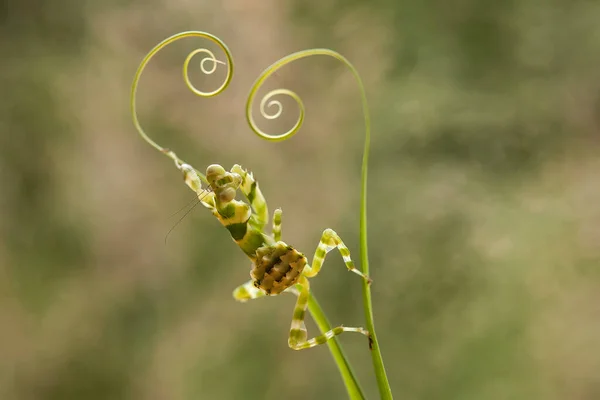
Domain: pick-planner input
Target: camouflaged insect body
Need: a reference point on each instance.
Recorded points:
(277, 267)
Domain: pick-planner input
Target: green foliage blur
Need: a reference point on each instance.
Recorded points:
(484, 207)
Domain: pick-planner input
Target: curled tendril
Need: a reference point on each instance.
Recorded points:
(210, 57)
(268, 102)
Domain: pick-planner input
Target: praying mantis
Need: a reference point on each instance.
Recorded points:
(276, 267)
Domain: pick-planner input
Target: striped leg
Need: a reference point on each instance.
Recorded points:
(191, 178)
(329, 241)
(298, 339)
(247, 291)
(250, 189)
(277, 225)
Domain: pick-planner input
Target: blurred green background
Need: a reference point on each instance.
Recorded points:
(484, 199)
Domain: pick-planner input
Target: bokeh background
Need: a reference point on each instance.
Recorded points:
(484, 199)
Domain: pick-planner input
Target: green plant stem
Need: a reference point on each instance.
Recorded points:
(382, 380)
(352, 386)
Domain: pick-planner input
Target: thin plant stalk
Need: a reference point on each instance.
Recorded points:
(266, 102)
(353, 387)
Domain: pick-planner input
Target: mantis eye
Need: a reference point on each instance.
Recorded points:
(227, 194)
(214, 171)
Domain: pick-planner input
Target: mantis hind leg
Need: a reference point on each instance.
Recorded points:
(298, 339)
